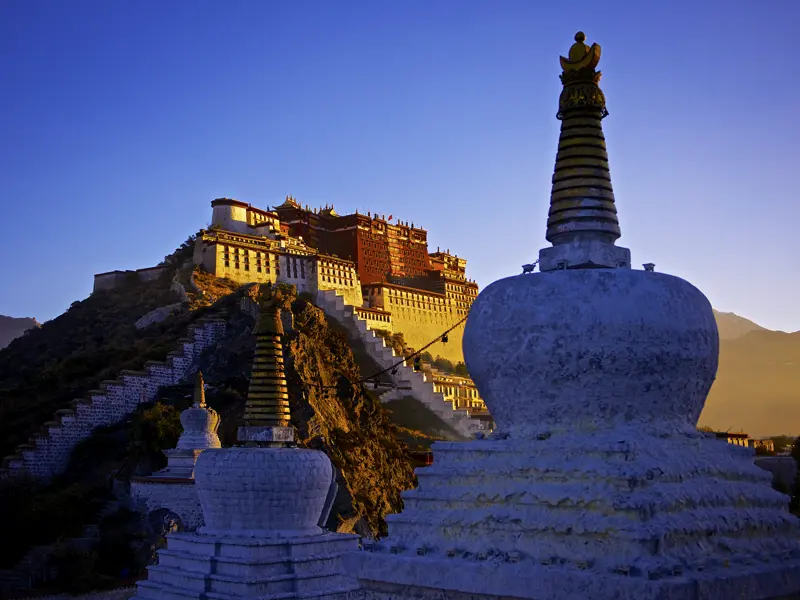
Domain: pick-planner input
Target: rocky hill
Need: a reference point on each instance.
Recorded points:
(13, 327)
(758, 382)
(97, 337)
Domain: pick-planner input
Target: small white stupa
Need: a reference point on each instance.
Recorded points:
(173, 488)
(200, 424)
(264, 504)
(596, 484)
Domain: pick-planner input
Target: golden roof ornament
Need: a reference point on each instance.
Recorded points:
(199, 391)
(580, 79)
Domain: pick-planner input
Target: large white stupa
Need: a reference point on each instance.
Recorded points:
(596, 483)
(264, 504)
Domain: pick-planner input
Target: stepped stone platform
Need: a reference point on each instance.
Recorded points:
(596, 484)
(200, 567)
(264, 503)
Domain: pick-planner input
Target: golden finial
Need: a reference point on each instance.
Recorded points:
(199, 391)
(581, 56)
(579, 49)
(580, 79)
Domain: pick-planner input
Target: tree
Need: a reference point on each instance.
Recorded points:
(444, 365)
(155, 429)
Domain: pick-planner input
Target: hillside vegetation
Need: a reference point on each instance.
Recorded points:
(330, 410)
(93, 340)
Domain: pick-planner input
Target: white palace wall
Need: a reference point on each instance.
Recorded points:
(249, 259)
(421, 316)
(49, 450)
(178, 496)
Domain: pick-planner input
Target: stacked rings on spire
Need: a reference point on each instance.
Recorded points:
(582, 199)
(268, 397)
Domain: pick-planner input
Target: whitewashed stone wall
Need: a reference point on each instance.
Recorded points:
(375, 319)
(405, 377)
(179, 497)
(47, 452)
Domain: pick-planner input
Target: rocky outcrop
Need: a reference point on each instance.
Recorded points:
(159, 314)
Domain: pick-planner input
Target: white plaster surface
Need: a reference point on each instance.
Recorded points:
(178, 497)
(173, 487)
(262, 491)
(402, 578)
(592, 349)
(261, 538)
(200, 425)
(413, 383)
(582, 253)
(596, 483)
(205, 567)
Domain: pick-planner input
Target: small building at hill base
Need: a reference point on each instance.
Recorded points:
(173, 488)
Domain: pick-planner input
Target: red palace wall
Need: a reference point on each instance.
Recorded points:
(377, 247)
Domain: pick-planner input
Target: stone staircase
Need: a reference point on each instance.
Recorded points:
(195, 567)
(47, 452)
(406, 381)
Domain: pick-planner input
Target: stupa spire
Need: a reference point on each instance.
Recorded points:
(583, 216)
(199, 391)
(267, 405)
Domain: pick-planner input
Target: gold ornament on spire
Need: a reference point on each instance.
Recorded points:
(580, 79)
(199, 391)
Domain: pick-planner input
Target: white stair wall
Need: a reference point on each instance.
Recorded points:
(410, 382)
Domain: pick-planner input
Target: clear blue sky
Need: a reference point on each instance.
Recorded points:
(121, 120)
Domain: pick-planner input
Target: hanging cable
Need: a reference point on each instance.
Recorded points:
(395, 366)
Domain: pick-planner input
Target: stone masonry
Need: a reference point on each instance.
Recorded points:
(173, 487)
(407, 381)
(596, 483)
(48, 451)
(263, 503)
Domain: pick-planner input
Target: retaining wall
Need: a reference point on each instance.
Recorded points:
(47, 452)
(406, 379)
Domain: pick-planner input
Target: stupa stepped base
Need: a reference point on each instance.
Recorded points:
(408, 578)
(205, 567)
(660, 516)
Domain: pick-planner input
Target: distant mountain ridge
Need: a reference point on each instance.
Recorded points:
(13, 327)
(758, 382)
(757, 388)
(732, 326)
